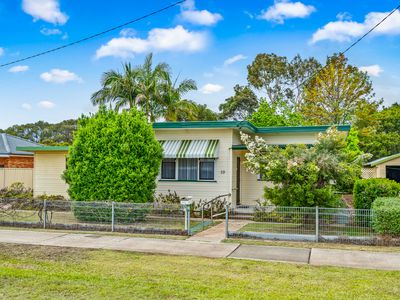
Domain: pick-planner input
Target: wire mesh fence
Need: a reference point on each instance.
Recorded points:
(300, 223)
(95, 216)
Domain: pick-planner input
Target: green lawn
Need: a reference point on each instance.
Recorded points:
(33, 272)
(293, 228)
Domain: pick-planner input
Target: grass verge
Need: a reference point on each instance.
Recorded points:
(33, 272)
(312, 245)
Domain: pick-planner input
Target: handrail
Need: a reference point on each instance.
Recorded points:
(212, 200)
(211, 207)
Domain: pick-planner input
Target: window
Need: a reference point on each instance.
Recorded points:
(190, 169)
(168, 168)
(187, 169)
(206, 167)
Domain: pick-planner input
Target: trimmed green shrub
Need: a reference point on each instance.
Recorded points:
(115, 157)
(386, 216)
(367, 190)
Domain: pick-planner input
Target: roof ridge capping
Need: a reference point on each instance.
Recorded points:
(246, 125)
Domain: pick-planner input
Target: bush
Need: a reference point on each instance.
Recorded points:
(114, 156)
(386, 216)
(367, 190)
(101, 212)
(17, 190)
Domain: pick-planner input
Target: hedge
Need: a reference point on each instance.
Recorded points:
(386, 216)
(367, 190)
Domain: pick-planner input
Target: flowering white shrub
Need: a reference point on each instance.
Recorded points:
(303, 176)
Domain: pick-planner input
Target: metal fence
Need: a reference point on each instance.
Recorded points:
(97, 216)
(300, 223)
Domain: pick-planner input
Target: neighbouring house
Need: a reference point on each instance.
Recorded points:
(384, 167)
(201, 159)
(15, 165)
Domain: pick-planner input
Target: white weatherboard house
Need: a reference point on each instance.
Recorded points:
(201, 159)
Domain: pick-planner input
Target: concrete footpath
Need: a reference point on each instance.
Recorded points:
(314, 256)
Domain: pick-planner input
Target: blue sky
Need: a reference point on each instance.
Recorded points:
(209, 41)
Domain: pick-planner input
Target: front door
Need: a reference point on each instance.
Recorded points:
(238, 180)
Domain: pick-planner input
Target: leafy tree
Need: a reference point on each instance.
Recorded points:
(187, 110)
(113, 157)
(302, 176)
(335, 92)
(44, 132)
(278, 114)
(379, 132)
(148, 88)
(281, 79)
(241, 105)
(352, 142)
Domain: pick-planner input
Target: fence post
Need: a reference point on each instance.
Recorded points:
(187, 218)
(226, 221)
(112, 216)
(44, 213)
(316, 224)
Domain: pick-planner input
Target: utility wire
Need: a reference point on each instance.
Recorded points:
(94, 35)
(352, 45)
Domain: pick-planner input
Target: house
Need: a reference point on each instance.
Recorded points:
(384, 167)
(15, 165)
(201, 159)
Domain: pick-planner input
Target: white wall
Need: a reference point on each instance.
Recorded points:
(49, 166)
(9, 176)
(223, 164)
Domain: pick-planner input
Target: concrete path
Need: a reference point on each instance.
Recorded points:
(314, 256)
(97, 241)
(216, 233)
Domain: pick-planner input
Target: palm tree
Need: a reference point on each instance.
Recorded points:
(173, 103)
(118, 88)
(149, 89)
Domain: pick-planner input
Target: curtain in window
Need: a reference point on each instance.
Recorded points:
(207, 169)
(168, 169)
(187, 169)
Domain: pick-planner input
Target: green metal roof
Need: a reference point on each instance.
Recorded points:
(43, 148)
(382, 160)
(244, 125)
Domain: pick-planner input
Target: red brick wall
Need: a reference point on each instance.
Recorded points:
(17, 162)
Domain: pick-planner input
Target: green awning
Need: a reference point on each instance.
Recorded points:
(190, 148)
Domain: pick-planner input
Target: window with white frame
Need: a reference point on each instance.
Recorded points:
(188, 169)
(168, 168)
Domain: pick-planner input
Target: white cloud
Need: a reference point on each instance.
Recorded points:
(345, 30)
(60, 76)
(127, 32)
(1, 51)
(50, 31)
(26, 106)
(17, 69)
(46, 104)
(283, 9)
(46, 10)
(158, 39)
(373, 70)
(234, 59)
(198, 17)
(211, 88)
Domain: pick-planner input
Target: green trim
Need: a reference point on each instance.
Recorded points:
(245, 125)
(178, 180)
(243, 147)
(43, 148)
(382, 160)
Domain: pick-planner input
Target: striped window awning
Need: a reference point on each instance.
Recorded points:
(190, 148)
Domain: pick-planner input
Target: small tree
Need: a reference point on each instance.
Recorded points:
(113, 157)
(302, 176)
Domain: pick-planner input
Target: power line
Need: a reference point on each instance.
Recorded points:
(94, 35)
(352, 45)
